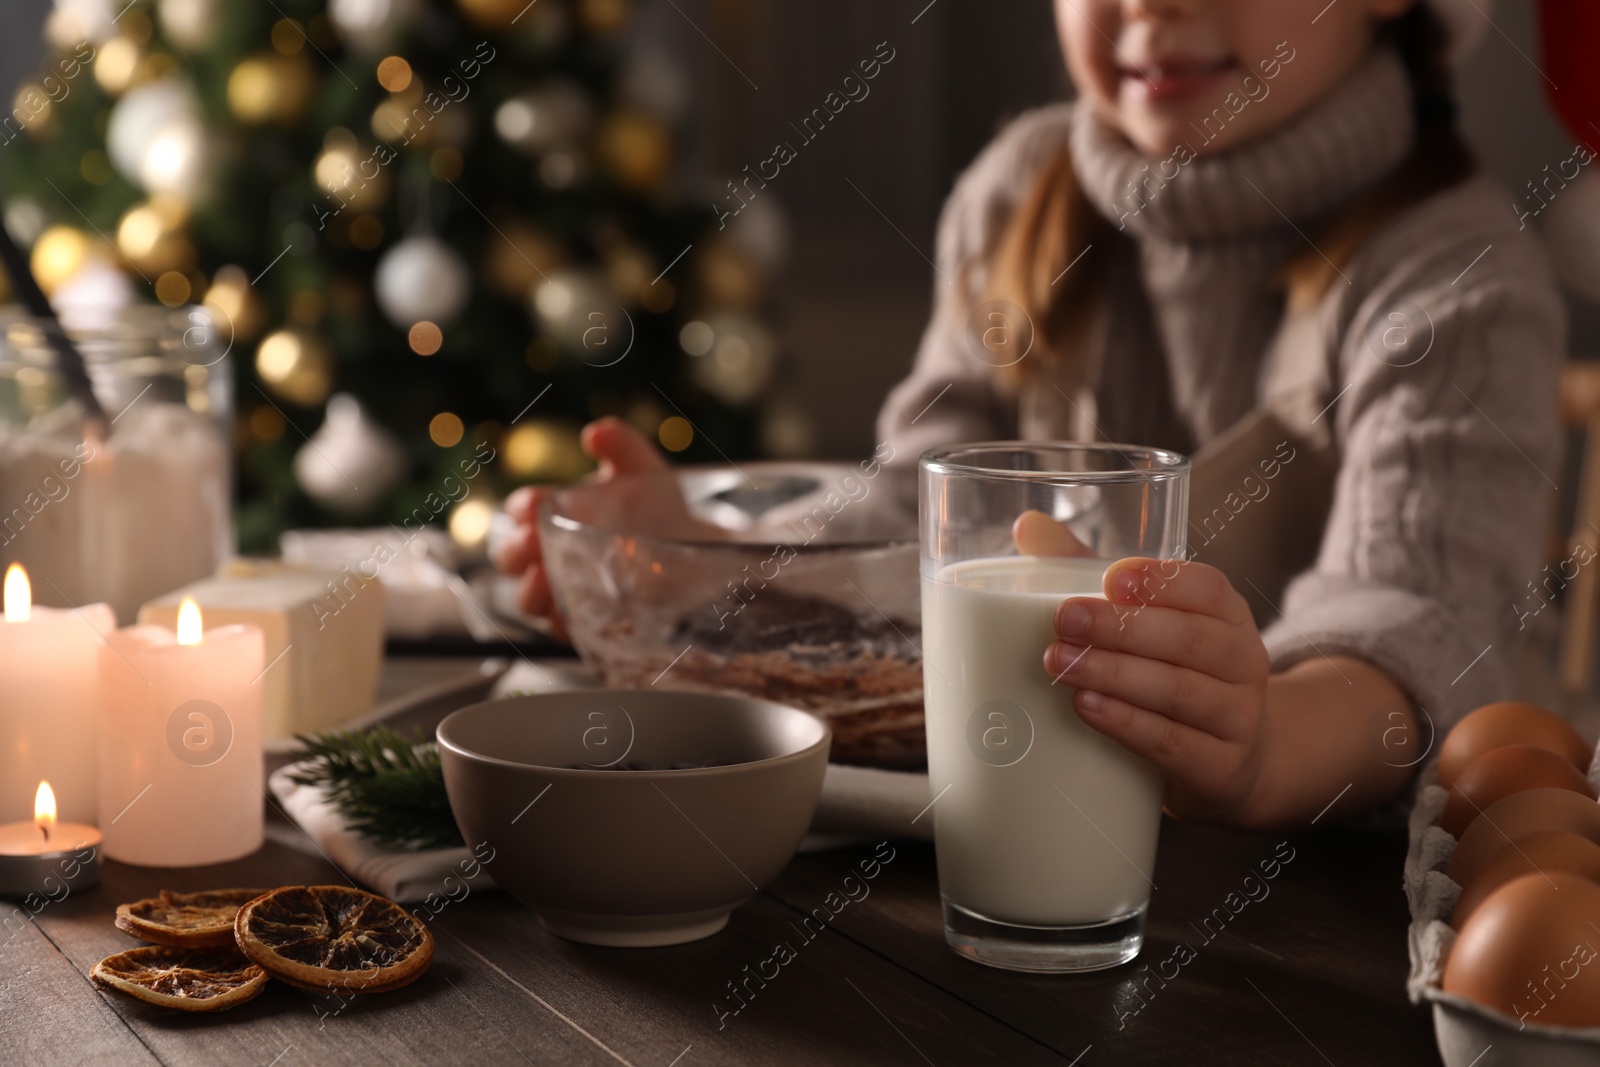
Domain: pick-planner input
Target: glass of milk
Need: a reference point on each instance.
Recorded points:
(1045, 829)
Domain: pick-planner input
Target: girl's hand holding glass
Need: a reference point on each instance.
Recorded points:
(1171, 666)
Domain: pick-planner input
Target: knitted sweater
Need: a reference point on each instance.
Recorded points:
(1442, 420)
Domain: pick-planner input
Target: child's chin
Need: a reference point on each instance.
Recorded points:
(1161, 136)
(1158, 137)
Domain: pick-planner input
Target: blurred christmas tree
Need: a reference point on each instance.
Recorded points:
(461, 213)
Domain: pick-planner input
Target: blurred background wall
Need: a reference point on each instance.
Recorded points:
(861, 201)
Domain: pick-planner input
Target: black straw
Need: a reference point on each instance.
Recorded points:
(69, 361)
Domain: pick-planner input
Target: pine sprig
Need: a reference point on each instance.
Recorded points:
(389, 787)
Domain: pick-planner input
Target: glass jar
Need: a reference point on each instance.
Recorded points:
(128, 518)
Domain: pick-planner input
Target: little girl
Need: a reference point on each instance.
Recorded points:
(1256, 238)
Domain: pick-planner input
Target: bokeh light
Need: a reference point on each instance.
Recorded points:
(58, 255)
(675, 434)
(288, 36)
(394, 74)
(469, 522)
(446, 429)
(172, 289)
(696, 338)
(425, 338)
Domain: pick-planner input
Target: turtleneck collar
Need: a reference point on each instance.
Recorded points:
(1305, 169)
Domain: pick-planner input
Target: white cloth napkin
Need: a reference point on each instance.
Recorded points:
(407, 877)
(863, 804)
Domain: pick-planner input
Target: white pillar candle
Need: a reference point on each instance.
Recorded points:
(180, 743)
(48, 697)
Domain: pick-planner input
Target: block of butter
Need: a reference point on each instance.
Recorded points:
(323, 631)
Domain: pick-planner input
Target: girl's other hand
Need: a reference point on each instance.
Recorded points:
(1037, 534)
(634, 485)
(1170, 666)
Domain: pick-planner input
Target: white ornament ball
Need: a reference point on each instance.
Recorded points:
(74, 21)
(421, 278)
(189, 24)
(553, 116)
(350, 463)
(155, 138)
(371, 25)
(761, 231)
(1571, 228)
(563, 303)
(739, 363)
(25, 220)
(93, 298)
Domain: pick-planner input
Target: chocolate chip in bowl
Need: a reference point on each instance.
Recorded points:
(796, 583)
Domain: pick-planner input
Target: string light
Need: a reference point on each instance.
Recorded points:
(172, 288)
(446, 429)
(469, 522)
(675, 434)
(59, 253)
(266, 424)
(114, 66)
(696, 338)
(425, 338)
(394, 74)
(288, 36)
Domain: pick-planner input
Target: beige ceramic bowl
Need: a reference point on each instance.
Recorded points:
(605, 819)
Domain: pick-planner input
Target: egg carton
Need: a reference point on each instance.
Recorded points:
(1469, 1035)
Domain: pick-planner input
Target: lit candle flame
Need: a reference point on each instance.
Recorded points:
(18, 594)
(189, 622)
(44, 809)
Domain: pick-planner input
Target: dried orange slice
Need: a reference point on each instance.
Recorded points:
(185, 920)
(331, 938)
(188, 979)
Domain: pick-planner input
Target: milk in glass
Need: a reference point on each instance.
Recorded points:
(1045, 822)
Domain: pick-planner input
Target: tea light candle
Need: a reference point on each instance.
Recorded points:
(180, 743)
(48, 699)
(45, 858)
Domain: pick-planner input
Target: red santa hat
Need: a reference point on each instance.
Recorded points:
(1569, 32)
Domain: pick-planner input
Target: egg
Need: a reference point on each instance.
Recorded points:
(1517, 816)
(1529, 950)
(1546, 850)
(1510, 722)
(1502, 771)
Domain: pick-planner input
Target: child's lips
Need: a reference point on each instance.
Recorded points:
(1173, 78)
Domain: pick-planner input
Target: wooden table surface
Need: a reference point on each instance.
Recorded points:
(1307, 967)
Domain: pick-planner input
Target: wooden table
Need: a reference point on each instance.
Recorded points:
(1305, 968)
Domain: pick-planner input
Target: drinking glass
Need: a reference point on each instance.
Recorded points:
(1045, 829)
